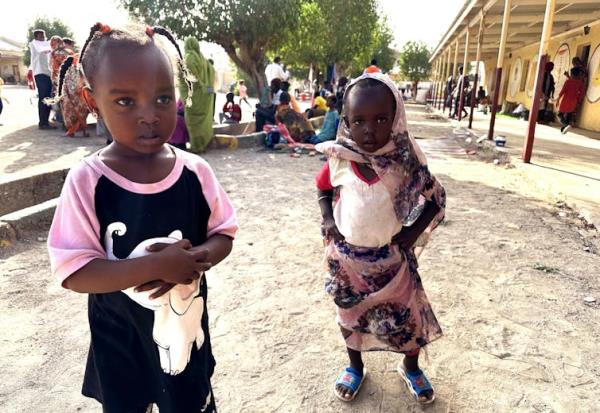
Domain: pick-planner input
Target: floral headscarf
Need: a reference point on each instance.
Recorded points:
(400, 164)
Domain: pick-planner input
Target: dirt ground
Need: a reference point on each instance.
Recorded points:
(507, 274)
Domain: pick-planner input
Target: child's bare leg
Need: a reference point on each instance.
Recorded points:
(411, 365)
(356, 363)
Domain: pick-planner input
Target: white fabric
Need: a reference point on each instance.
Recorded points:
(274, 70)
(277, 98)
(40, 57)
(177, 314)
(364, 213)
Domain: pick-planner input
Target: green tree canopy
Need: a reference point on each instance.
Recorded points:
(414, 61)
(246, 29)
(52, 27)
(381, 47)
(332, 31)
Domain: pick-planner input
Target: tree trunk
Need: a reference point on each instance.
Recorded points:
(251, 64)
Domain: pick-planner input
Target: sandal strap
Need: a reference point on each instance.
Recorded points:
(419, 381)
(350, 378)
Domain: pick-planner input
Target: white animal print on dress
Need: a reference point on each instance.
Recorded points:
(177, 314)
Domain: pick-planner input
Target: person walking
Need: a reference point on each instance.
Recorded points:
(40, 65)
(243, 93)
(570, 97)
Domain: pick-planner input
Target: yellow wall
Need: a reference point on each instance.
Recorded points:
(589, 116)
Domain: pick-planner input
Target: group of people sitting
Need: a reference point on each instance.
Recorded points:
(279, 109)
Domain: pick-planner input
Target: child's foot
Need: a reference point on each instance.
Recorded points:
(417, 384)
(348, 384)
(566, 129)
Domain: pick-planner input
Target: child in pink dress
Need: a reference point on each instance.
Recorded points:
(378, 199)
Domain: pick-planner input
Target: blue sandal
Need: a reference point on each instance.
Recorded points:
(352, 380)
(417, 383)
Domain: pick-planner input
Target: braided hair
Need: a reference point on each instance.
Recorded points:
(64, 67)
(102, 36)
(63, 71)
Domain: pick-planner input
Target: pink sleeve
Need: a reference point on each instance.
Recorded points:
(74, 239)
(222, 218)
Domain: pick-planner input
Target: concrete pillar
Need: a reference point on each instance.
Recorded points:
(498, 80)
(434, 82)
(537, 89)
(465, 76)
(446, 76)
(477, 63)
(454, 71)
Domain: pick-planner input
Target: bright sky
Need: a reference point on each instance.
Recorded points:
(424, 20)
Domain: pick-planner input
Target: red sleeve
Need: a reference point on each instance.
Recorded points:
(237, 113)
(323, 179)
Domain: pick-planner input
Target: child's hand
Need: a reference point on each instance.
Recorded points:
(179, 263)
(163, 288)
(331, 231)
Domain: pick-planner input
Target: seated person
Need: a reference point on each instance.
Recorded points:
(265, 110)
(297, 124)
(285, 86)
(319, 107)
(232, 113)
(329, 128)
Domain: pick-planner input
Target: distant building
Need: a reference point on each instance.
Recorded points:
(575, 33)
(12, 68)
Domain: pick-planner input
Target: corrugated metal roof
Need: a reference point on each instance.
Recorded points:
(525, 26)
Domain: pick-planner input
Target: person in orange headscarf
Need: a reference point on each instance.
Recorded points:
(373, 68)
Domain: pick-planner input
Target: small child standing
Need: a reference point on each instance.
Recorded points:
(137, 224)
(243, 93)
(569, 98)
(378, 199)
(330, 123)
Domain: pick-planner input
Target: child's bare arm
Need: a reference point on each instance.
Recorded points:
(215, 249)
(175, 264)
(330, 229)
(409, 235)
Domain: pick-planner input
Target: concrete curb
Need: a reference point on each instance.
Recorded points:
(21, 193)
(18, 216)
(17, 224)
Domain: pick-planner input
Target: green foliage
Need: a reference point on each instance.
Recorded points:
(52, 27)
(307, 45)
(414, 61)
(333, 31)
(379, 49)
(246, 29)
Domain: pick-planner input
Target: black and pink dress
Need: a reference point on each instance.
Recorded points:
(124, 369)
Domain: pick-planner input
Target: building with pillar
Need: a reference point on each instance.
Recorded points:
(510, 38)
(12, 68)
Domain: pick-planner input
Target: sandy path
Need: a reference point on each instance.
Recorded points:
(517, 338)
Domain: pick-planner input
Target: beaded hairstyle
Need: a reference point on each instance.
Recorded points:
(102, 36)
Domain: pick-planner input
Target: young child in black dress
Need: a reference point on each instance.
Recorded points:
(137, 225)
